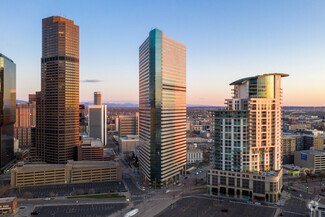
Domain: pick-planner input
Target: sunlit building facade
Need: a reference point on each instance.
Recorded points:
(97, 98)
(57, 104)
(248, 140)
(162, 109)
(7, 110)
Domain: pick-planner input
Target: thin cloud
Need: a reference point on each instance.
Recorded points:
(91, 81)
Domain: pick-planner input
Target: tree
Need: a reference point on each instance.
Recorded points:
(80, 191)
(28, 194)
(52, 194)
(91, 191)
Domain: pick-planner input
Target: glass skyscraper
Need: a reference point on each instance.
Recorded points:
(162, 109)
(57, 104)
(7, 109)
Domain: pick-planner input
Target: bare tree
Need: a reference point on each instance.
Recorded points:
(80, 191)
(28, 194)
(52, 194)
(91, 191)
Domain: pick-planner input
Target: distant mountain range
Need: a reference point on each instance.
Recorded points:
(135, 105)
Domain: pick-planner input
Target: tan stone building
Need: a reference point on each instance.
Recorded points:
(72, 172)
(263, 186)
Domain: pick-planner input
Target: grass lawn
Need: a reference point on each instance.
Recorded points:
(98, 196)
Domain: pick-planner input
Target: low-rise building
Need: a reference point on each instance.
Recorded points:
(312, 159)
(72, 172)
(128, 143)
(194, 155)
(90, 149)
(263, 186)
(8, 205)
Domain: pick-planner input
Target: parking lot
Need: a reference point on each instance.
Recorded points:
(208, 207)
(94, 210)
(67, 190)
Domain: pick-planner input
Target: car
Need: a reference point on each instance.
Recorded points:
(300, 195)
(167, 191)
(47, 198)
(35, 213)
(257, 203)
(224, 210)
(186, 177)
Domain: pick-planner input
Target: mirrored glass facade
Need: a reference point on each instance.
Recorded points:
(7, 109)
(162, 108)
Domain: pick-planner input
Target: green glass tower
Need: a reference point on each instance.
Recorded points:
(162, 109)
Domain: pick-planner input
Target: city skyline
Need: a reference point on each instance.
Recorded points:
(226, 42)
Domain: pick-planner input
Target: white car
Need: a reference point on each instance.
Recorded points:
(47, 198)
(167, 191)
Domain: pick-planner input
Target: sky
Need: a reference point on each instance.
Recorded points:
(226, 41)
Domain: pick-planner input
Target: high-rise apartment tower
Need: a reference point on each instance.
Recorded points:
(57, 104)
(248, 156)
(162, 109)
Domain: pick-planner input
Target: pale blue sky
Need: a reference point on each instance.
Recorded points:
(226, 40)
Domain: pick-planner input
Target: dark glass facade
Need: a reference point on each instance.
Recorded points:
(57, 109)
(7, 109)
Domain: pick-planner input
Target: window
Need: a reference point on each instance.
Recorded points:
(223, 180)
(258, 187)
(214, 180)
(245, 183)
(238, 182)
(231, 181)
(273, 186)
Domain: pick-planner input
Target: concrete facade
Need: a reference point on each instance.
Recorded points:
(72, 172)
(311, 159)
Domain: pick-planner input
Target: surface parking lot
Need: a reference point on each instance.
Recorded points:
(94, 210)
(208, 207)
(67, 190)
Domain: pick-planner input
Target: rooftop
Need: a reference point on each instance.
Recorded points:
(312, 152)
(1, 55)
(74, 164)
(7, 199)
(244, 80)
(130, 137)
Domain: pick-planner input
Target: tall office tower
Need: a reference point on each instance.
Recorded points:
(32, 98)
(97, 122)
(57, 104)
(127, 124)
(25, 121)
(82, 119)
(97, 98)
(162, 108)
(32, 101)
(248, 159)
(7, 110)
